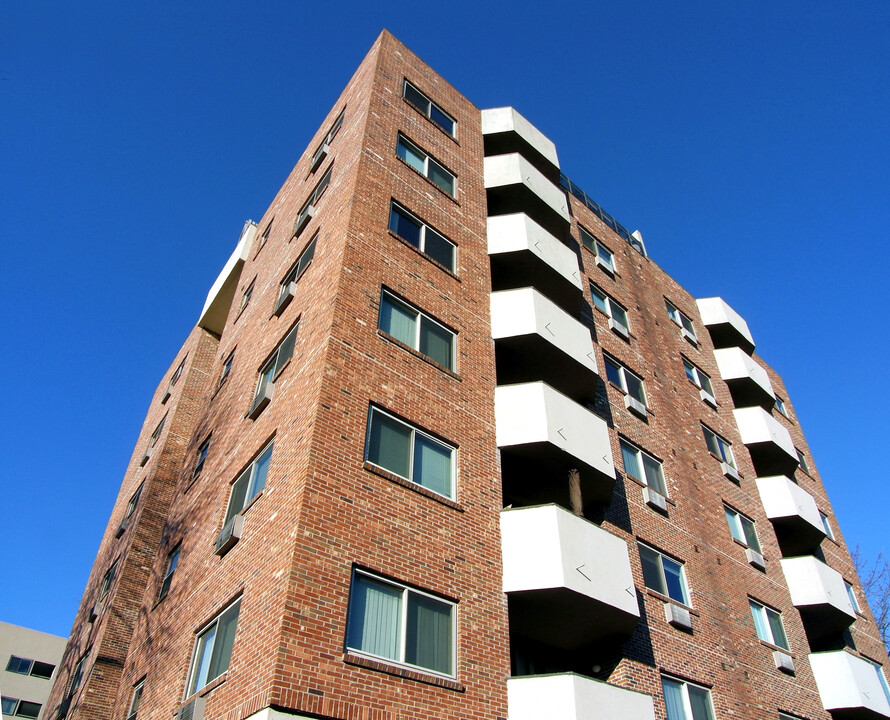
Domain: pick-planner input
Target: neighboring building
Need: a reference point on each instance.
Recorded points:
(447, 443)
(30, 658)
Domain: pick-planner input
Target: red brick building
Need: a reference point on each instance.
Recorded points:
(447, 443)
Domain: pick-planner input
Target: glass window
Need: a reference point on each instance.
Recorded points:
(226, 369)
(390, 621)
(802, 460)
(308, 208)
(881, 678)
(643, 467)
(742, 529)
(9, 705)
(135, 699)
(698, 378)
(768, 623)
(249, 483)
(247, 294)
(718, 446)
(410, 453)
(422, 236)
(429, 108)
(288, 284)
(781, 407)
(274, 365)
(106, 581)
(169, 569)
(851, 594)
(681, 319)
(826, 525)
(213, 649)
(686, 701)
(425, 165)
(264, 238)
(28, 709)
(42, 670)
(77, 675)
(319, 155)
(153, 440)
(605, 258)
(20, 666)
(664, 575)
(629, 382)
(417, 330)
(202, 456)
(616, 313)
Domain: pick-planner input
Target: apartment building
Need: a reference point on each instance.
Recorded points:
(30, 659)
(446, 442)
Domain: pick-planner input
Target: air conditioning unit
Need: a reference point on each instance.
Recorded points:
(122, 527)
(261, 400)
(655, 499)
(635, 406)
(605, 265)
(229, 535)
(145, 457)
(619, 328)
(755, 558)
(305, 216)
(783, 661)
(690, 336)
(166, 396)
(94, 611)
(708, 398)
(287, 294)
(192, 710)
(729, 471)
(319, 157)
(677, 616)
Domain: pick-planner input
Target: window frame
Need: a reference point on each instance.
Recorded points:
(135, 699)
(287, 286)
(782, 407)
(682, 320)
(153, 440)
(271, 370)
(408, 145)
(399, 209)
(246, 295)
(607, 306)
(640, 455)
(194, 671)
(605, 258)
(851, 595)
(324, 147)
(826, 526)
(686, 601)
(428, 111)
(318, 191)
(406, 592)
(420, 320)
(766, 625)
(226, 369)
(623, 372)
(107, 580)
(19, 661)
(17, 708)
(414, 432)
(725, 454)
(251, 493)
(701, 380)
(684, 685)
(203, 450)
(76, 678)
(739, 530)
(802, 460)
(169, 571)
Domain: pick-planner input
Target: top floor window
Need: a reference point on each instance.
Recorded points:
(426, 165)
(416, 232)
(429, 108)
(605, 258)
(683, 320)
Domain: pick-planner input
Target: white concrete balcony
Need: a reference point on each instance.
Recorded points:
(523, 254)
(771, 447)
(515, 185)
(505, 131)
(850, 687)
(793, 512)
(542, 435)
(219, 299)
(747, 380)
(568, 581)
(727, 327)
(819, 593)
(567, 696)
(537, 340)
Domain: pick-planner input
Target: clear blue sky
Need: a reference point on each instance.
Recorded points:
(747, 141)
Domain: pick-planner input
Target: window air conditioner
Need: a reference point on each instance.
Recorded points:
(619, 328)
(677, 616)
(756, 559)
(261, 400)
(319, 157)
(655, 499)
(304, 219)
(192, 710)
(229, 535)
(287, 294)
(635, 406)
(708, 398)
(783, 661)
(122, 527)
(729, 471)
(145, 457)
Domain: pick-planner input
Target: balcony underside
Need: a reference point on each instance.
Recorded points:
(527, 358)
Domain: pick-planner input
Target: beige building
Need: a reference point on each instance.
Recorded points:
(30, 658)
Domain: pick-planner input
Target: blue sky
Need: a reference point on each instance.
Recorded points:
(747, 141)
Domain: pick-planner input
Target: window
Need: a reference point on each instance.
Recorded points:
(77, 675)
(226, 369)
(826, 526)
(169, 569)
(681, 319)
(686, 701)
(630, 383)
(425, 165)
(135, 699)
(429, 108)
(881, 679)
(323, 149)
(851, 594)
(643, 467)
(768, 623)
(396, 623)
(153, 440)
(107, 578)
(173, 379)
(416, 330)
(213, 649)
(20, 708)
(128, 513)
(616, 313)
(742, 529)
(289, 284)
(410, 453)
(202, 456)
(264, 238)
(9, 705)
(781, 407)
(664, 575)
(270, 371)
(718, 446)
(34, 668)
(604, 257)
(802, 459)
(247, 294)
(701, 381)
(249, 483)
(422, 236)
(307, 212)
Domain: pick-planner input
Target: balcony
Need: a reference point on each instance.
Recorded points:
(536, 340)
(505, 131)
(523, 254)
(568, 696)
(794, 514)
(219, 299)
(747, 380)
(727, 327)
(818, 592)
(568, 582)
(850, 687)
(769, 443)
(543, 435)
(515, 185)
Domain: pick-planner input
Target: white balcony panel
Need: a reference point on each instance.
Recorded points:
(743, 373)
(574, 697)
(219, 299)
(513, 170)
(789, 506)
(820, 589)
(769, 442)
(725, 324)
(849, 685)
(496, 121)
